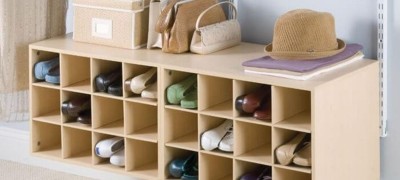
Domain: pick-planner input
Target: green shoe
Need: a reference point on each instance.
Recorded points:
(176, 92)
(190, 101)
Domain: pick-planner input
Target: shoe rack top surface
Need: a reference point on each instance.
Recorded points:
(225, 63)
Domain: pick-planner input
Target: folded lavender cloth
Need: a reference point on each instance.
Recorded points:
(303, 65)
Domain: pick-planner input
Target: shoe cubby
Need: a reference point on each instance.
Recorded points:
(243, 169)
(281, 137)
(50, 111)
(77, 145)
(174, 154)
(37, 56)
(142, 158)
(291, 109)
(75, 73)
(71, 121)
(181, 129)
(131, 71)
(253, 142)
(141, 121)
(105, 67)
(216, 96)
(104, 163)
(172, 77)
(46, 139)
(285, 174)
(108, 115)
(215, 167)
(334, 108)
(242, 88)
(209, 123)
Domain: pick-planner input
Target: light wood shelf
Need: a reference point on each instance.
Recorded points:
(335, 108)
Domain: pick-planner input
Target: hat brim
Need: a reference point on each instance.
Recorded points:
(292, 55)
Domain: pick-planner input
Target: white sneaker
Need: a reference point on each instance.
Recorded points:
(226, 143)
(211, 138)
(118, 158)
(150, 92)
(107, 147)
(142, 81)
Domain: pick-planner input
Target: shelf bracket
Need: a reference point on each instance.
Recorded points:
(382, 58)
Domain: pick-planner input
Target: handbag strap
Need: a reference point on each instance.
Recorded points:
(165, 17)
(209, 8)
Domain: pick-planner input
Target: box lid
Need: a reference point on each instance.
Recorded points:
(113, 4)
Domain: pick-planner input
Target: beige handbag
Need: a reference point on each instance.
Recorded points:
(215, 37)
(177, 22)
(154, 39)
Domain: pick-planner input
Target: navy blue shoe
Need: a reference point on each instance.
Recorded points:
(178, 167)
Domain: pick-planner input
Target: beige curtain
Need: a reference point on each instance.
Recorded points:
(23, 22)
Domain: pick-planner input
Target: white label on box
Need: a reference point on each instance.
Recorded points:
(102, 28)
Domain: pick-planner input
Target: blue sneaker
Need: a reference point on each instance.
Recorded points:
(53, 76)
(42, 68)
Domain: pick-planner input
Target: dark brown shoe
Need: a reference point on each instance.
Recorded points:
(85, 117)
(103, 81)
(264, 112)
(74, 106)
(250, 102)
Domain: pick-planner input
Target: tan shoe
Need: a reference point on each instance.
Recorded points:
(286, 152)
(303, 156)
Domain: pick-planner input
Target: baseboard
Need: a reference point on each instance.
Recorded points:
(15, 146)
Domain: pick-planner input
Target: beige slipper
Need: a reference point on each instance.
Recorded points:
(303, 156)
(285, 153)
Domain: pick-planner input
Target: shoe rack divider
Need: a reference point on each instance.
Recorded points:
(155, 132)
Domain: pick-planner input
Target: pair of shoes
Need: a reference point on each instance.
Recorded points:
(112, 148)
(297, 150)
(144, 84)
(186, 168)
(48, 70)
(220, 137)
(260, 173)
(257, 103)
(78, 109)
(110, 82)
(184, 93)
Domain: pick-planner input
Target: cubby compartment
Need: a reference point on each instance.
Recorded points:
(243, 168)
(37, 56)
(173, 77)
(46, 139)
(291, 109)
(75, 74)
(281, 137)
(141, 121)
(242, 88)
(84, 100)
(131, 71)
(181, 129)
(175, 154)
(101, 162)
(108, 115)
(285, 174)
(209, 123)
(215, 96)
(112, 73)
(215, 167)
(253, 142)
(142, 158)
(49, 111)
(77, 145)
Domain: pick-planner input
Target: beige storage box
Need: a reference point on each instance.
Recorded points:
(117, 23)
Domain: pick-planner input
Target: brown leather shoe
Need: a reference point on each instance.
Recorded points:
(85, 117)
(250, 102)
(264, 112)
(75, 106)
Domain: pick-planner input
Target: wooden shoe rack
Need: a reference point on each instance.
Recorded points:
(340, 110)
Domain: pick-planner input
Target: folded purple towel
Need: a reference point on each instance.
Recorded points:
(303, 65)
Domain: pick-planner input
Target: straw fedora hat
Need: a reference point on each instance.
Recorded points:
(304, 34)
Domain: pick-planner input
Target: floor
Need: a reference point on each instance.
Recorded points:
(14, 145)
